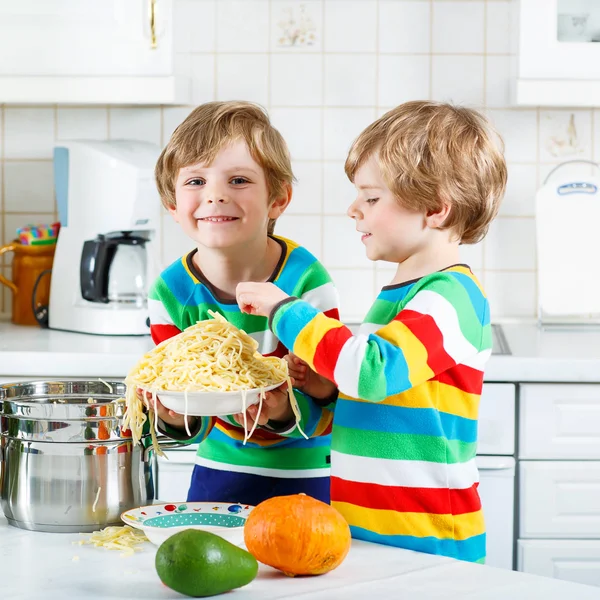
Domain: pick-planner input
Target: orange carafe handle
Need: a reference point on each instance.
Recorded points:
(8, 282)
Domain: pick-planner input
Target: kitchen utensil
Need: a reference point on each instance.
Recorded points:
(105, 249)
(28, 265)
(568, 244)
(211, 404)
(161, 521)
(66, 465)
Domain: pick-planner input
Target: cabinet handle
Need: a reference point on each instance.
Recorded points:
(153, 40)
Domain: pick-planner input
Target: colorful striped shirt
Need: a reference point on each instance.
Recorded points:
(181, 296)
(404, 437)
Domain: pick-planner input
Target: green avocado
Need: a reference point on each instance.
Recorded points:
(198, 563)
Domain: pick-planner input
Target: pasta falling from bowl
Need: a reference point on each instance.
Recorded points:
(212, 358)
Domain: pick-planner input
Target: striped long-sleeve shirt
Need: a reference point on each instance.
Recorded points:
(404, 437)
(181, 296)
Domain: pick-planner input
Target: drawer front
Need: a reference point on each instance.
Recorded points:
(559, 421)
(175, 475)
(559, 499)
(571, 560)
(496, 426)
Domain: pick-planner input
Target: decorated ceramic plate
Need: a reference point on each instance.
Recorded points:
(210, 404)
(161, 521)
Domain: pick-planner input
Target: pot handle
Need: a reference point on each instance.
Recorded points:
(8, 282)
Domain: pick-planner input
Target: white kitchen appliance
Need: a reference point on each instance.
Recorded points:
(109, 210)
(568, 244)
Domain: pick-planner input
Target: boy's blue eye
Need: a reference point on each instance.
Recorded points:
(195, 181)
(239, 180)
(372, 200)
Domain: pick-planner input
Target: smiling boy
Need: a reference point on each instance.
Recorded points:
(225, 176)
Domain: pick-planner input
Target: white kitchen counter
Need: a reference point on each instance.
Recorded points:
(553, 355)
(47, 565)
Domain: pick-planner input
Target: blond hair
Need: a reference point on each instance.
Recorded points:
(214, 125)
(430, 153)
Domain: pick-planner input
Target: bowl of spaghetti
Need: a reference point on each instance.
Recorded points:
(211, 368)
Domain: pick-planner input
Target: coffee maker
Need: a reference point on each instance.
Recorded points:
(109, 210)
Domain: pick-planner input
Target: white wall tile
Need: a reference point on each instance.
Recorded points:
(243, 77)
(565, 135)
(194, 25)
(301, 128)
(510, 244)
(28, 132)
(342, 246)
(497, 81)
(304, 230)
(82, 123)
(511, 294)
(173, 116)
(296, 80)
(472, 255)
(350, 25)
(518, 128)
(383, 275)
(357, 292)
(521, 187)
(458, 27)
(498, 27)
(175, 242)
(297, 26)
(404, 26)
(203, 78)
(596, 134)
(242, 26)
(339, 191)
(135, 124)
(350, 79)
(308, 189)
(341, 126)
(29, 186)
(458, 79)
(403, 78)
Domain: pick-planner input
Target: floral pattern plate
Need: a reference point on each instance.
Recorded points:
(161, 521)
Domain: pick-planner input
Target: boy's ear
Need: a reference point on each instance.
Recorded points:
(435, 220)
(173, 211)
(279, 205)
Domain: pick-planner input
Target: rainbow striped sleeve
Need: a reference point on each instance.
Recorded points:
(438, 325)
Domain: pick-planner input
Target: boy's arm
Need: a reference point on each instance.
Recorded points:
(166, 321)
(439, 327)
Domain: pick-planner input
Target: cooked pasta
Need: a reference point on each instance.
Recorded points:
(124, 538)
(210, 356)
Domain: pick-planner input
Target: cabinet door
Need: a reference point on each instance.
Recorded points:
(84, 38)
(175, 474)
(559, 499)
(496, 424)
(571, 560)
(559, 421)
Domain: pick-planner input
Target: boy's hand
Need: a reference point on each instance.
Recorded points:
(276, 406)
(258, 298)
(163, 413)
(307, 381)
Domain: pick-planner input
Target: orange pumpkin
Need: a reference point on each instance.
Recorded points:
(297, 535)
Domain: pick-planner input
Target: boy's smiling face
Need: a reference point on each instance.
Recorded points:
(390, 231)
(225, 204)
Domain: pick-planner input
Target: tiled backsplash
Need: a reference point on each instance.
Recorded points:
(325, 69)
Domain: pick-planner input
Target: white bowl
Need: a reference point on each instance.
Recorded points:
(210, 404)
(160, 521)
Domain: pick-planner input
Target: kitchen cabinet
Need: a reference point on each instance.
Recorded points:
(89, 52)
(559, 474)
(556, 52)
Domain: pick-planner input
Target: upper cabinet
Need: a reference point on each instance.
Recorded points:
(89, 52)
(557, 52)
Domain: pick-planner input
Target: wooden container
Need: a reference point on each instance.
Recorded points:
(29, 262)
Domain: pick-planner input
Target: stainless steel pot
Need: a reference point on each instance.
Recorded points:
(66, 465)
